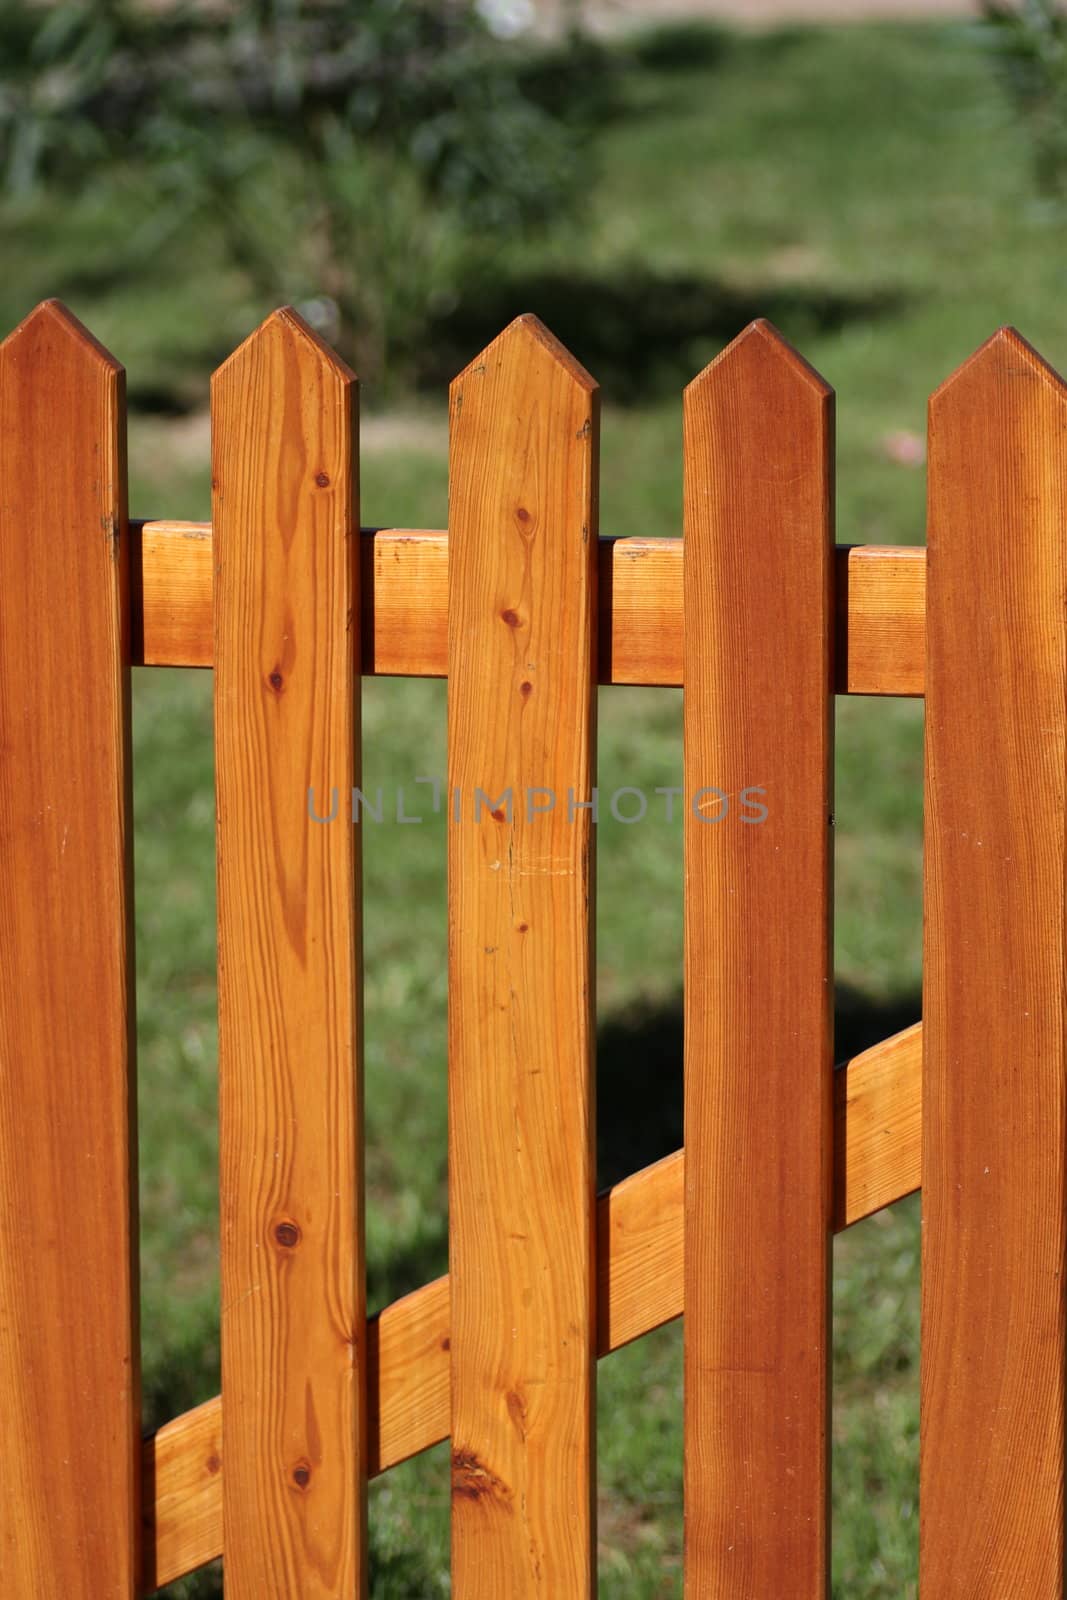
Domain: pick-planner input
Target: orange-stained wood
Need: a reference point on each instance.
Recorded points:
(286, 722)
(524, 421)
(877, 1126)
(880, 597)
(639, 1287)
(880, 606)
(639, 606)
(408, 1376)
(639, 1253)
(172, 575)
(994, 1173)
(181, 1476)
(69, 1352)
(758, 971)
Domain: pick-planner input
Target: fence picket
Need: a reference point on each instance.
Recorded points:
(759, 625)
(993, 1170)
(286, 719)
(69, 1354)
(521, 713)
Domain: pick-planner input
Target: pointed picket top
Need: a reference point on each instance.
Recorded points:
(763, 351)
(1005, 355)
(281, 329)
(51, 325)
(286, 380)
(526, 338)
(57, 378)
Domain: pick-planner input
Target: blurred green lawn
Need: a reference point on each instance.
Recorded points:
(868, 189)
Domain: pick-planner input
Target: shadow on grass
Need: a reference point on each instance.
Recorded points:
(639, 1073)
(640, 332)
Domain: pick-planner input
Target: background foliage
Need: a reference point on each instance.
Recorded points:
(1030, 41)
(362, 159)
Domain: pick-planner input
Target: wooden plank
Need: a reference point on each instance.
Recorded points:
(521, 1030)
(877, 1127)
(181, 1467)
(408, 1376)
(639, 1253)
(69, 1350)
(405, 616)
(993, 1316)
(880, 599)
(403, 587)
(880, 607)
(877, 1118)
(290, 1087)
(639, 626)
(173, 571)
(758, 971)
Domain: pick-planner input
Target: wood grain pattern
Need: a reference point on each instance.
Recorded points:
(522, 1162)
(993, 1316)
(877, 1126)
(639, 1253)
(173, 575)
(69, 1352)
(880, 604)
(181, 1479)
(758, 972)
(290, 1086)
(877, 1123)
(639, 621)
(879, 596)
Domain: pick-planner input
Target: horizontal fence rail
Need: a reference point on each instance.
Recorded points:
(879, 603)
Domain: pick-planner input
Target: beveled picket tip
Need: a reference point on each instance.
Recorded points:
(285, 322)
(760, 347)
(51, 320)
(527, 333)
(1005, 354)
(69, 1356)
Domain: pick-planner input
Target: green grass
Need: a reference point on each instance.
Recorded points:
(868, 188)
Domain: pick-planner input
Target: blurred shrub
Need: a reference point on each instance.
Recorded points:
(360, 157)
(1030, 41)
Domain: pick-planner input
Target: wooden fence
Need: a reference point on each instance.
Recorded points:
(526, 610)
